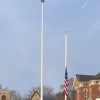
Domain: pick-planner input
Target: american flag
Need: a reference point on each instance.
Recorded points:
(66, 84)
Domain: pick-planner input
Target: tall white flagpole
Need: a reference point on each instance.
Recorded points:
(42, 50)
(65, 55)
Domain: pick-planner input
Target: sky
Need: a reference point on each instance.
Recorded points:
(20, 32)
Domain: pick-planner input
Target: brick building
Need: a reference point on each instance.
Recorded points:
(87, 87)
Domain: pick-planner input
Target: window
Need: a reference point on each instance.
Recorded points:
(78, 98)
(99, 88)
(85, 94)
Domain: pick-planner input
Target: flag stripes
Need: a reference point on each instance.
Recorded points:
(66, 85)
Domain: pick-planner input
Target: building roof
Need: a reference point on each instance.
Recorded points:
(36, 92)
(86, 78)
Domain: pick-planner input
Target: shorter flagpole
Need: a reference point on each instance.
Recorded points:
(66, 80)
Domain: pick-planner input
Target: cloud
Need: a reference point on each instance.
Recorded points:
(85, 3)
(94, 27)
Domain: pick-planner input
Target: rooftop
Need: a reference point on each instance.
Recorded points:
(86, 78)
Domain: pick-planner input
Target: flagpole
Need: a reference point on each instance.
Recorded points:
(42, 50)
(66, 56)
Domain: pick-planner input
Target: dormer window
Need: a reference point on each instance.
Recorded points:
(97, 82)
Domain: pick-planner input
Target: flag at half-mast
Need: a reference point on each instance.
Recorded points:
(66, 84)
(42, 0)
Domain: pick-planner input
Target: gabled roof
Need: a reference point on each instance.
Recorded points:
(36, 92)
(86, 78)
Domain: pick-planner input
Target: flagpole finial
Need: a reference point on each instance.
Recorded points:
(66, 32)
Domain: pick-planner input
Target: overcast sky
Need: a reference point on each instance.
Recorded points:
(20, 25)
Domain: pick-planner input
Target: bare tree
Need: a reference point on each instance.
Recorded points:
(48, 93)
(15, 95)
(60, 96)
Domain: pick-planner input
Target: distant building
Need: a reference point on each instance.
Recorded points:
(4, 94)
(87, 87)
(35, 96)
